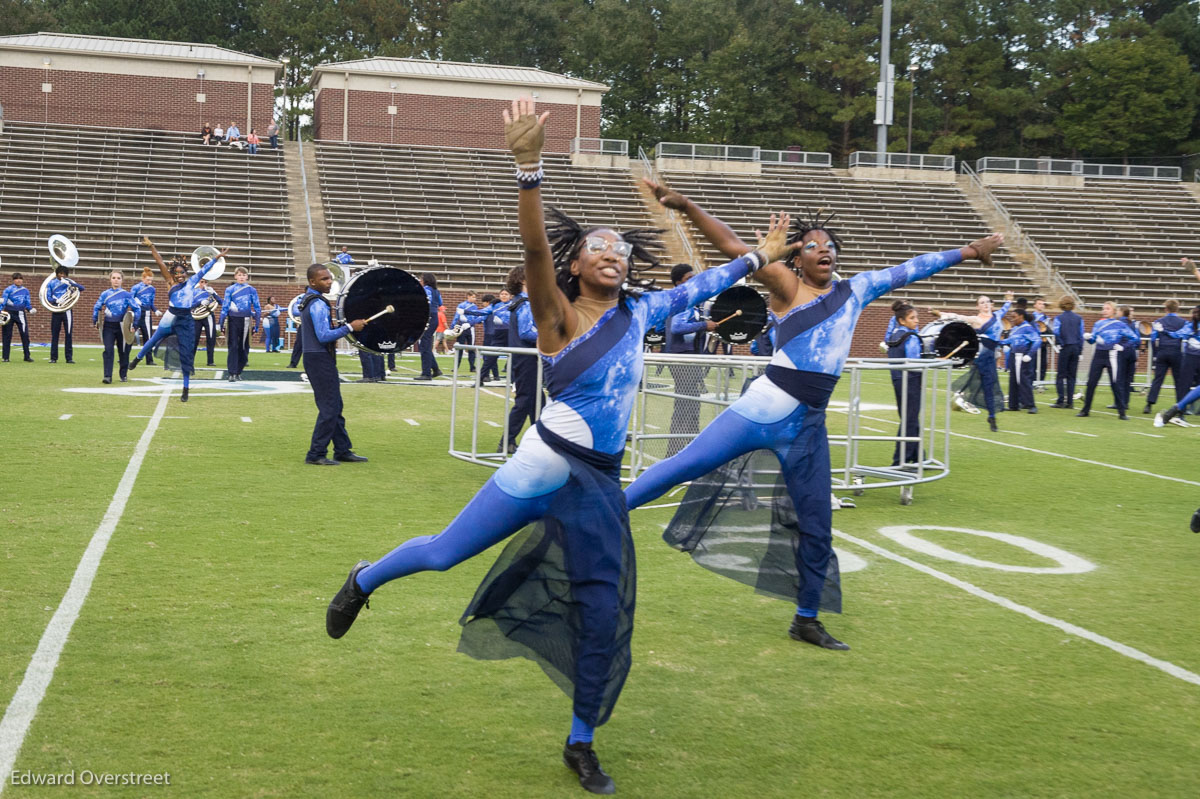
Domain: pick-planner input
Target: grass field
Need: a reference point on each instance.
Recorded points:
(200, 650)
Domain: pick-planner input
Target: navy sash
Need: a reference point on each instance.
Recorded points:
(813, 314)
(811, 388)
(580, 358)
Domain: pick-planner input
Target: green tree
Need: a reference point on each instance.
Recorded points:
(26, 16)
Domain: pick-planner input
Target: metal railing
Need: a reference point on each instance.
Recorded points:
(312, 245)
(870, 158)
(1030, 166)
(865, 462)
(795, 158)
(1132, 172)
(600, 146)
(672, 217)
(709, 152)
(1017, 238)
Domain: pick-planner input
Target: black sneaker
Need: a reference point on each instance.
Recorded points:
(1147, 409)
(811, 631)
(1169, 414)
(1196, 521)
(581, 759)
(992, 424)
(1083, 413)
(183, 396)
(345, 605)
(133, 364)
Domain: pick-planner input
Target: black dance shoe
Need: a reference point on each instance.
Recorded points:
(183, 396)
(992, 424)
(28, 359)
(133, 364)
(321, 461)
(107, 380)
(422, 377)
(345, 605)
(349, 457)
(1083, 413)
(1196, 521)
(581, 759)
(1147, 409)
(811, 631)
(1122, 416)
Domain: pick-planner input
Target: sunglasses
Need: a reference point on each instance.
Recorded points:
(597, 245)
(812, 245)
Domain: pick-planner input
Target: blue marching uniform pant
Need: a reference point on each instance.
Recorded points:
(1165, 360)
(910, 425)
(986, 363)
(184, 329)
(61, 322)
(113, 338)
(237, 337)
(801, 444)
(1068, 368)
(322, 373)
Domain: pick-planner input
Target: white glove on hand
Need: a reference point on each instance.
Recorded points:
(1026, 358)
(1157, 327)
(1118, 348)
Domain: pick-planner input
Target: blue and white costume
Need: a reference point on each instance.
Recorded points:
(565, 471)
(181, 297)
(982, 381)
(146, 294)
(115, 304)
(343, 258)
(240, 307)
(63, 322)
(271, 330)
(1068, 332)
(1023, 342)
(1110, 336)
(1168, 355)
(465, 316)
(15, 299)
(784, 411)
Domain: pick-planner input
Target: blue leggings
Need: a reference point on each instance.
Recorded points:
(1191, 397)
(165, 324)
(801, 444)
(985, 362)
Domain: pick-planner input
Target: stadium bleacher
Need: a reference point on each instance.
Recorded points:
(106, 188)
(1113, 240)
(882, 222)
(453, 211)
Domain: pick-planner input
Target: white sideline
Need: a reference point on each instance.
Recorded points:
(1065, 626)
(23, 707)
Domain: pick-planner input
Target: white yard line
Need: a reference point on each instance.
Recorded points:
(413, 422)
(24, 705)
(1065, 626)
(247, 419)
(1147, 435)
(1077, 433)
(491, 423)
(65, 417)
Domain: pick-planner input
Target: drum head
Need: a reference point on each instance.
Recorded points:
(372, 290)
(654, 337)
(746, 325)
(953, 335)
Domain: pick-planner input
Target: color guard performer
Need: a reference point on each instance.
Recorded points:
(16, 302)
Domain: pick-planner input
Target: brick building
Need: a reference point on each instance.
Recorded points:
(443, 103)
(133, 83)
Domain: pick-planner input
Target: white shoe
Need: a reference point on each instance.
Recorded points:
(1158, 420)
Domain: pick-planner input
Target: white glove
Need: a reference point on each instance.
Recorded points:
(1026, 358)
(1057, 349)
(1157, 327)
(1118, 348)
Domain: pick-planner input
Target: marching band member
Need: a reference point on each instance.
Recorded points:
(429, 364)
(983, 374)
(1129, 356)
(181, 298)
(1189, 335)
(271, 326)
(565, 472)
(320, 365)
(62, 321)
(1168, 353)
(241, 311)
(684, 332)
(464, 321)
(1068, 335)
(522, 332)
(16, 301)
(115, 301)
(903, 342)
(784, 410)
(344, 256)
(1111, 336)
(1023, 342)
(495, 332)
(1040, 318)
(208, 325)
(145, 294)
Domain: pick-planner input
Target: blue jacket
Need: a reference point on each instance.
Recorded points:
(1068, 329)
(343, 258)
(15, 298)
(1109, 333)
(58, 287)
(145, 294)
(115, 303)
(241, 299)
(1024, 338)
(903, 343)
(1162, 339)
(682, 329)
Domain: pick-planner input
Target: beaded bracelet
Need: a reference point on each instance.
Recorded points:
(530, 178)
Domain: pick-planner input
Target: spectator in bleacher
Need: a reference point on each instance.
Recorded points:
(522, 333)
(273, 134)
(344, 256)
(208, 325)
(240, 312)
(252, 142)
(233, 135)
(271, 335)
(218, 134)
(429, 364)
(206, 137)
(1068, 337)
(16, 303)
(1111, 337)
(1040, 319)
(1168, 354)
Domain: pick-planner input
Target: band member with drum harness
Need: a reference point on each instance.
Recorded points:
(1068, 333)
(181, 297)
(1168, 353)
(240, 310)
(320, 365)
(117, 303)
(784, 412)
(206, 302)
(15, 303)
(62, 322)
(904, 342)
(146, 294)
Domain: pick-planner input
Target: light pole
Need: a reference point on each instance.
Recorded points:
(287, 122)
(883, 90)
(912, 89)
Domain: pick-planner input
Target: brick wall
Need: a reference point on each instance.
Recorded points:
(439, 121)
(129, 101)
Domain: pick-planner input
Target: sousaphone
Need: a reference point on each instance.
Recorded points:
(202, 255)
(62, 253)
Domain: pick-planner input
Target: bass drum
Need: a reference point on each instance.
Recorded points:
(372, 290)
(942, 338)
(743, 327)
(654, 337)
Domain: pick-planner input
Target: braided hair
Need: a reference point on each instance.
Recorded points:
(567, 236)
(803, 225)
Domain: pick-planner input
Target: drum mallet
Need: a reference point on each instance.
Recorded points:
(738, 312)
(387, 310)
(956, 349)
